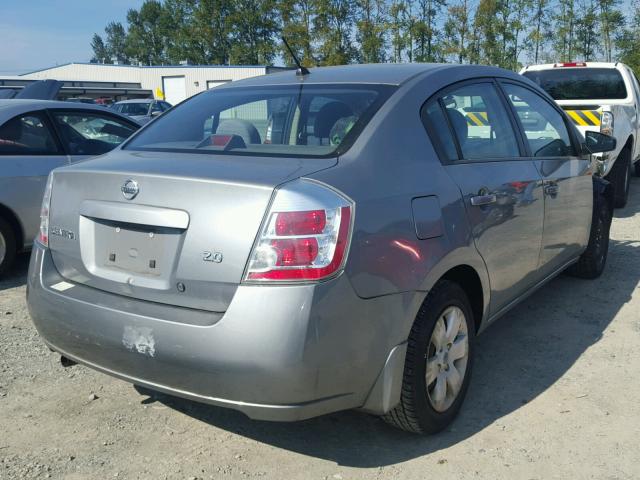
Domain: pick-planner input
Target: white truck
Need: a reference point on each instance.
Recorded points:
(603, 97)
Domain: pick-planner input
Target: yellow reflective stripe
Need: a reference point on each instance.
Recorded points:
(575, 116)
(595, 120)
(475, 119)
(484, 116)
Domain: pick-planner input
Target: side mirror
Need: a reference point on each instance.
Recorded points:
(156, 113)
(596, 142)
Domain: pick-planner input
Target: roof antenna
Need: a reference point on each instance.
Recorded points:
(301, 71)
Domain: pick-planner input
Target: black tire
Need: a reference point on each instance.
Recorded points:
(620, 178)
(592, 262)
(8, 240)
(637, 168)
(415, 412)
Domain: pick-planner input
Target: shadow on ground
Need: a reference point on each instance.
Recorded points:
(17, 275)
(518, 358)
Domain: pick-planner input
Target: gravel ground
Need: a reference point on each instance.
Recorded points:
(554, 396)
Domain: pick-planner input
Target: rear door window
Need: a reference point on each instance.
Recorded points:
(27, 134)
(91, 133)
(480, 122)
(544, 127)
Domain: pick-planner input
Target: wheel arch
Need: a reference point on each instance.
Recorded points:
(466, 268)
(467, 277)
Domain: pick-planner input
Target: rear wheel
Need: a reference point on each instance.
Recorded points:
(438, 362)
(637, 168)
(592, 262)
(7, 246)
(620, 177)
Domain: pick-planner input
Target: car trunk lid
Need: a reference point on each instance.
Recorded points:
(183, 238)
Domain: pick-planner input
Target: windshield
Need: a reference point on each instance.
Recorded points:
(580, 83)
(283, 120)
(132, 108)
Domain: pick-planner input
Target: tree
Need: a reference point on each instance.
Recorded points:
(518, 25)
(457, 30)
(370, 30)
(399, 26)
(539, 34)
(628, 41)
(565, 30)
(100, 54)
(115, 45)
(297, 27)
(587, 31)
(489, 29)
(426, 32)
(611, 20)
(333, 24)
(252, 36)
(149, 29)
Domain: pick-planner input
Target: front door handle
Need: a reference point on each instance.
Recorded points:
(479, 200)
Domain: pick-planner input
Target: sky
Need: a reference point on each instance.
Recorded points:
(37, 34)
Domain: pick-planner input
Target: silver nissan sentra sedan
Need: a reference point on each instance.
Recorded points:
(297, 244)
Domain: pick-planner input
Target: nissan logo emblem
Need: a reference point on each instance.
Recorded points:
(130, 189)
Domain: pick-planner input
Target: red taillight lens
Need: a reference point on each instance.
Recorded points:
(295, 252)
(300, 223)
(571, 64)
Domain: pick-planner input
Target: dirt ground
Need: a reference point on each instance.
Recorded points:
(554, 395)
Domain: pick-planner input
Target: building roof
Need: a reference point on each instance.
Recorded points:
(152, 66)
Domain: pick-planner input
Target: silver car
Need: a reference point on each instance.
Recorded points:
(298, 244)
(37, 136)
(142, 110)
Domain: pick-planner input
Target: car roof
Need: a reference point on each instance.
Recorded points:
(374, 73)
(12, 107)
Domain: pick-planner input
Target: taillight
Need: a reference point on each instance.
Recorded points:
(43, 236)
(571, 64)
(606, 123)
(305, 236)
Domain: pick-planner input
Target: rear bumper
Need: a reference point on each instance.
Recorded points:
(277, 353)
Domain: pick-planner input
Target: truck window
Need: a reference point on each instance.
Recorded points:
(580, 83)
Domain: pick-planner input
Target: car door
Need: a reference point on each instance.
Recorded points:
(568, 189)
(29, 150)
(86, 133)
(502, 191)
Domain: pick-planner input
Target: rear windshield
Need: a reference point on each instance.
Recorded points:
(132, 108)
(282, 120)
(580, 83)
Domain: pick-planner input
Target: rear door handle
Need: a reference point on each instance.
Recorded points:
(480, 200)
(551, 189)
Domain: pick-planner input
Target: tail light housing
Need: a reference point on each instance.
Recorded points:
(606, 123)
(43, 234)
(305, 235)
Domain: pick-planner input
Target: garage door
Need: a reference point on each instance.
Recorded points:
(175, 89)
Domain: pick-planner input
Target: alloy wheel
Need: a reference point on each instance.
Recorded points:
(447, 359)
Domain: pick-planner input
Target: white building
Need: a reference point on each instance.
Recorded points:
(174, 83)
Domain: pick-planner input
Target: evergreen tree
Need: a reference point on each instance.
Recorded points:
(100, 54)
